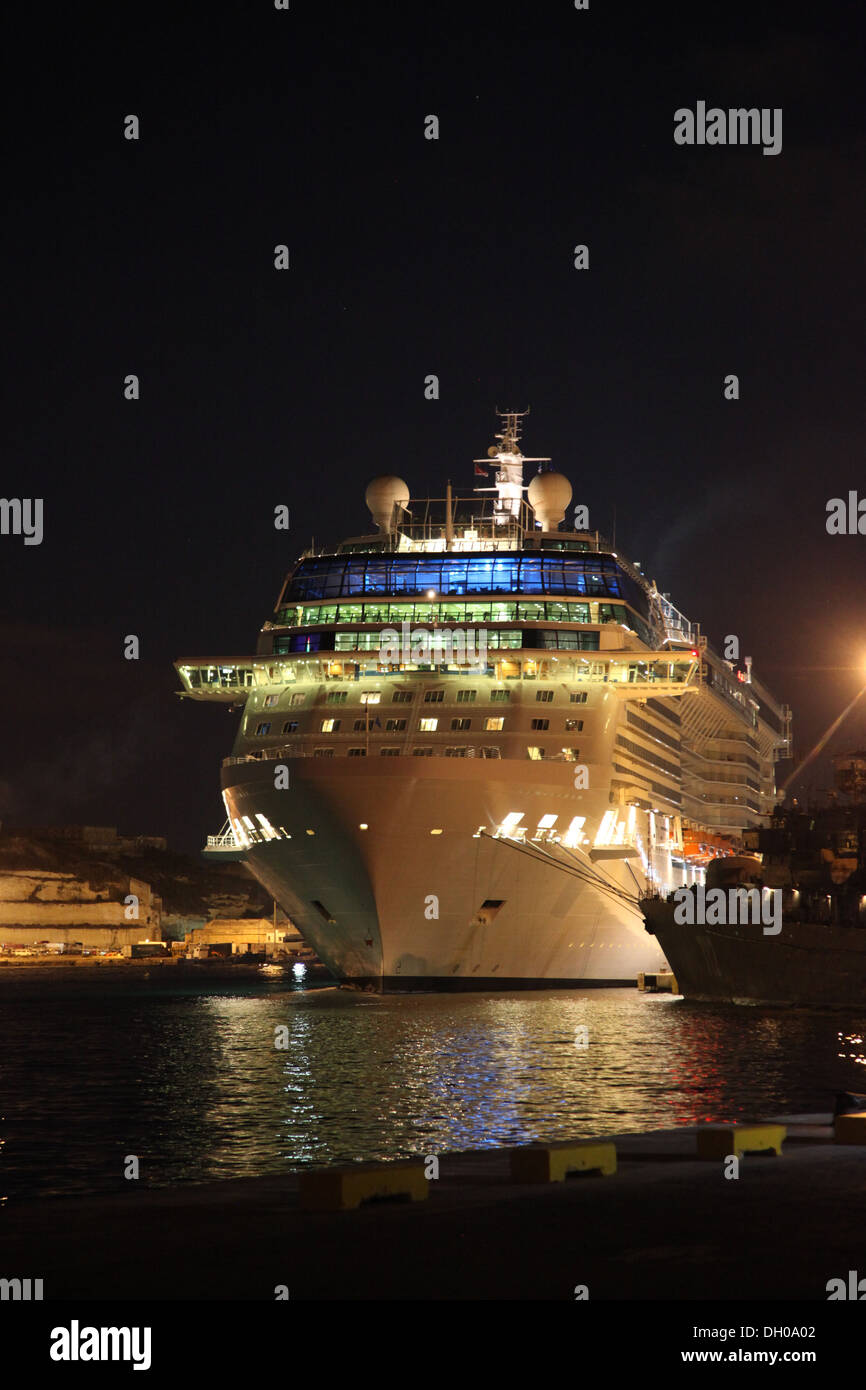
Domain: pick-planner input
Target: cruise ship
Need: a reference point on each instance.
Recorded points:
(470, 740)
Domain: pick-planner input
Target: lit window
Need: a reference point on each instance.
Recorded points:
(264, 728)
(428, 726)
(547, 822)
(573, 724)
(536, 754)
(370, 697)
(270, 701)
(435, 832)
(541, 724)
(459, 726)
(330, 726)
(494, 726)
(571, 755)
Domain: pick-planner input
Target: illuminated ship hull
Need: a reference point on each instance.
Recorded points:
(397, 907)
(447, 820)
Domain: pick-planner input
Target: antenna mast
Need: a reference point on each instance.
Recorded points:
(509, 485)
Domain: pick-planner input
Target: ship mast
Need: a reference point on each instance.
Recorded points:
(508, 485)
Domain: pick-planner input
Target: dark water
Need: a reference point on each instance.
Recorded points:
(189, 1079)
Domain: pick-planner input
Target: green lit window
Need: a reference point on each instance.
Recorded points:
(534, 612)
(350, 613)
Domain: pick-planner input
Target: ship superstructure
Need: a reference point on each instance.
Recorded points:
(469, 740)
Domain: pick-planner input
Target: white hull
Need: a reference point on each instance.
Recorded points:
(399, 907)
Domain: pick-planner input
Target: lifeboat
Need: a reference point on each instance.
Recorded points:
(700, 846)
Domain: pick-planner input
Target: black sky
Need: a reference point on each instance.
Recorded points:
(410, 257)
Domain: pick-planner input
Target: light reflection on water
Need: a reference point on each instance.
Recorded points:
(190, 1080)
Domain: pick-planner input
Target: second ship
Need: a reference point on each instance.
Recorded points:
(470, 740)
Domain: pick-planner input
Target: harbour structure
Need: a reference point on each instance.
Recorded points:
(470, 739)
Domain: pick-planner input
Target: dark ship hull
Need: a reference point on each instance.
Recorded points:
(808, 963)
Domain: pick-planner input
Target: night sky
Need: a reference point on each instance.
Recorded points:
(409, 257)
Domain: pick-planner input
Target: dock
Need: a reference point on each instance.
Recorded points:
(663, 1223)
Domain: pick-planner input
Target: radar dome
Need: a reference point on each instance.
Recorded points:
(382, 495)
(549, 495)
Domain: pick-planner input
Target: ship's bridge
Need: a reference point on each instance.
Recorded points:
(586, 575)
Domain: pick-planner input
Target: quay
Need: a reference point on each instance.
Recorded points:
(665, 1225)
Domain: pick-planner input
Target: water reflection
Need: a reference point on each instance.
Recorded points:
(192, 1082)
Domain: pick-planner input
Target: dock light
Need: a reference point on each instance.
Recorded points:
(363, 825)
(299, 970)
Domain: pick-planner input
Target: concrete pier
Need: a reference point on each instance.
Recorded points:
(666, 1225)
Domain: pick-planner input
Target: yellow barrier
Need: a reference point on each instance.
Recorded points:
(342, 1189)
(553, 1162)
(720, 1141)
(850, 1129)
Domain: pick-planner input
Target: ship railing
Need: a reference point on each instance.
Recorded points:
(481, 752)
(222, 841)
